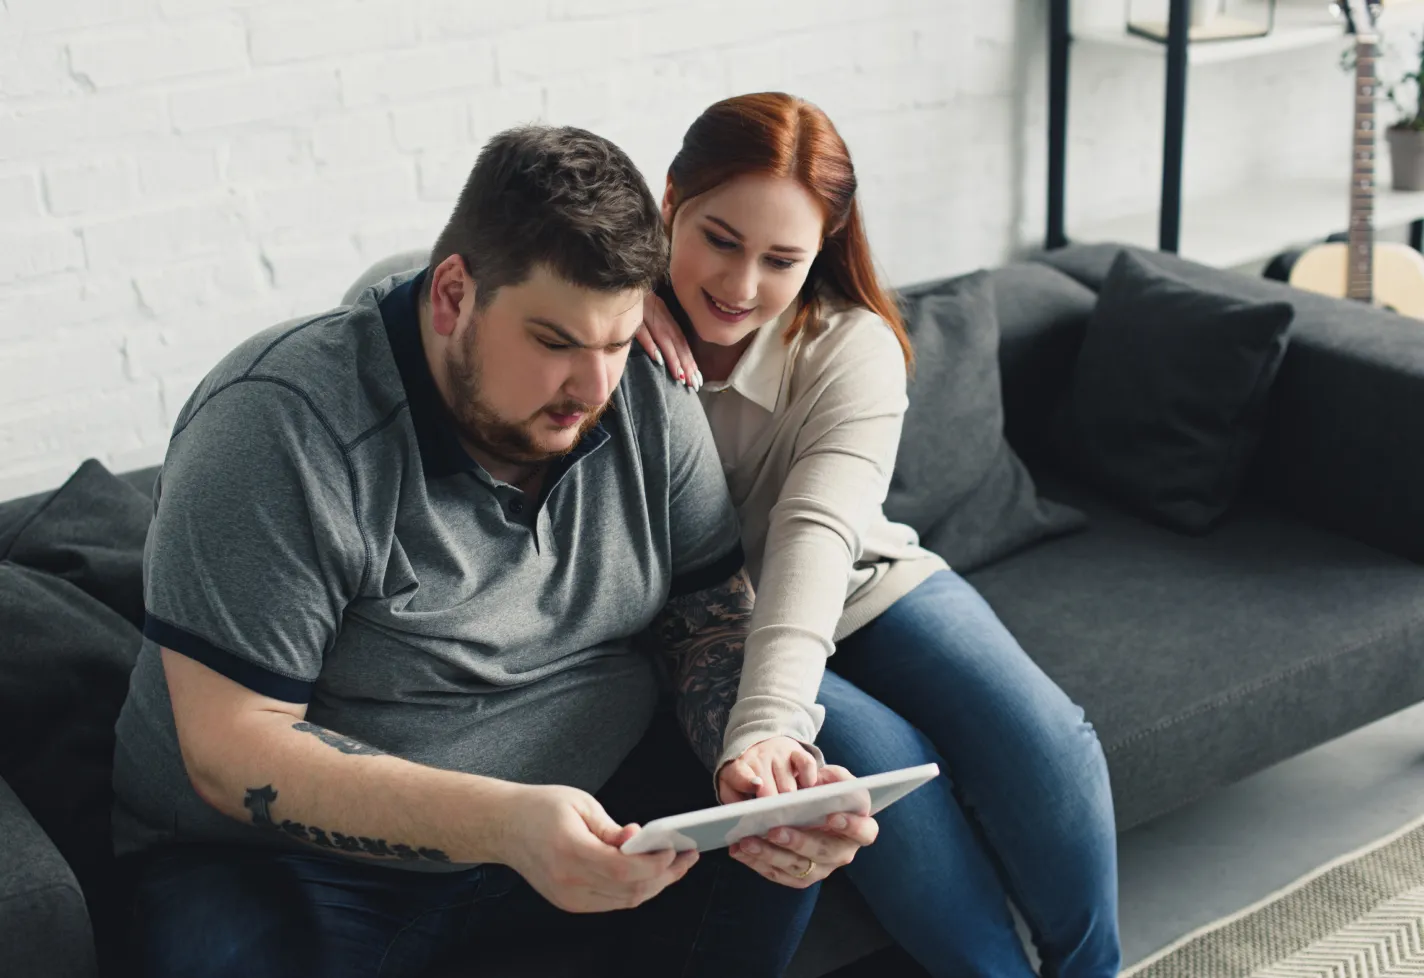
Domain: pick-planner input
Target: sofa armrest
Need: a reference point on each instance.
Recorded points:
(44, 923)
(1345, 445)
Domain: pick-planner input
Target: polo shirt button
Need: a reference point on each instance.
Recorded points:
(516, 506)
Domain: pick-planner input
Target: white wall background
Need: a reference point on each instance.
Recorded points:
(176, 174)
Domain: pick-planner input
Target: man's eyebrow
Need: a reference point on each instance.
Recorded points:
(564, 335)
(738, 235)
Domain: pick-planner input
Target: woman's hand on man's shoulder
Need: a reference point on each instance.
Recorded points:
(662, 339)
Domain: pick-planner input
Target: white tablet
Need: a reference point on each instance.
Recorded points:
(713, 828)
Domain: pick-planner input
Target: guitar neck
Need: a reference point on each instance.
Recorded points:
(1360, 277)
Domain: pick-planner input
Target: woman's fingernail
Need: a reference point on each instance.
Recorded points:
(658, 356)
(699, 380)
(839, 821)
(750, 847)
(781, 837)
(757, 781)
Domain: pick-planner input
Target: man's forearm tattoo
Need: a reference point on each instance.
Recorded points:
(705, 633)
(342, 743)
(259, 802)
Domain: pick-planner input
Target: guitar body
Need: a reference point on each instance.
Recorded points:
(1397, 280)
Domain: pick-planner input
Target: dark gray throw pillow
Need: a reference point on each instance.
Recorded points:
(90, 532)
(957, 481)
(71, 604)
(65, 661)
(1168, 398)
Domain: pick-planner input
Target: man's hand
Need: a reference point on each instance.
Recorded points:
(565, 845)
(800, 857)
(770, 767)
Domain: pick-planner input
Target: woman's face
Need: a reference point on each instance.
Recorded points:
(741, 252)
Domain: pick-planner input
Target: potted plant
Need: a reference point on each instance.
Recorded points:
(1406, 135)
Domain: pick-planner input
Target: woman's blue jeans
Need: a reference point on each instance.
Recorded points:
(1022, 808)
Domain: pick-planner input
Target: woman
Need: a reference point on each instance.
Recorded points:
(774, 316)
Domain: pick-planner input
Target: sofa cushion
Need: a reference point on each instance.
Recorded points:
(44, 925)
(70, 603)
(142, 479)
(64, 672)
(65, 660)
(1168, 397)
(1201, 660)
(15, 514)
(957, 481)
(1042, 314)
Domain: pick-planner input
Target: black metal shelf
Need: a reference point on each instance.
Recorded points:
(1059, 41)
(1176, 50)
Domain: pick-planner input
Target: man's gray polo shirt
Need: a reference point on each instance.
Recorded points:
(321, 537)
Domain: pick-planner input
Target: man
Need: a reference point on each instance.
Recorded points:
(399, 558)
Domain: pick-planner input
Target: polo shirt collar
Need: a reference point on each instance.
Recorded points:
(441, 453)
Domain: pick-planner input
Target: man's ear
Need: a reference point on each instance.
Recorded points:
(450, 286)
(668, 204)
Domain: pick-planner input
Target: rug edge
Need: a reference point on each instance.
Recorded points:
(1296, 884)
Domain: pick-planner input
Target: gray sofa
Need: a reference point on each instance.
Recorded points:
(1200, 660)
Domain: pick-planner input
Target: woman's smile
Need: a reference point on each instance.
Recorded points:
(724, 311)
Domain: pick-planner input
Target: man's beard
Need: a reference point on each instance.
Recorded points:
(479, 425)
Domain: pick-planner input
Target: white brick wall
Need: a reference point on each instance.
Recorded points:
(176, 174)
(125, 56)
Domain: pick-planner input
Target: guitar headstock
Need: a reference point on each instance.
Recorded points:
(1360, 16)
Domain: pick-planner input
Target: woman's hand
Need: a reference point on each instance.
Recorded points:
(770, 767)
(662, 338)
(800, 857)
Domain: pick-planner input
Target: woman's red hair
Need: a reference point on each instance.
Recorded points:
(775, 134)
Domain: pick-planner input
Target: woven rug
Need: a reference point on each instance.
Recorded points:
(1360, 916)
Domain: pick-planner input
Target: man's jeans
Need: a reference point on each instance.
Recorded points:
(1022, 809)
(208, 911)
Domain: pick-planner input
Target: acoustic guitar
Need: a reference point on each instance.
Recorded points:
(1387, 273)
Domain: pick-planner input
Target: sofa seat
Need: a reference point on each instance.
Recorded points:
(1201, 660)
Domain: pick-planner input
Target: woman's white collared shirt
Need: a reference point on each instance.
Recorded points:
(808, 434)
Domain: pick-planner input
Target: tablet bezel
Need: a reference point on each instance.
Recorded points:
(865, 795)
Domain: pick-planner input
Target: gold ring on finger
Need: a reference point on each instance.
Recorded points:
(810, 865)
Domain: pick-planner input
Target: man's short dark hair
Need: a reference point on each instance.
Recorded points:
(562, 197)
